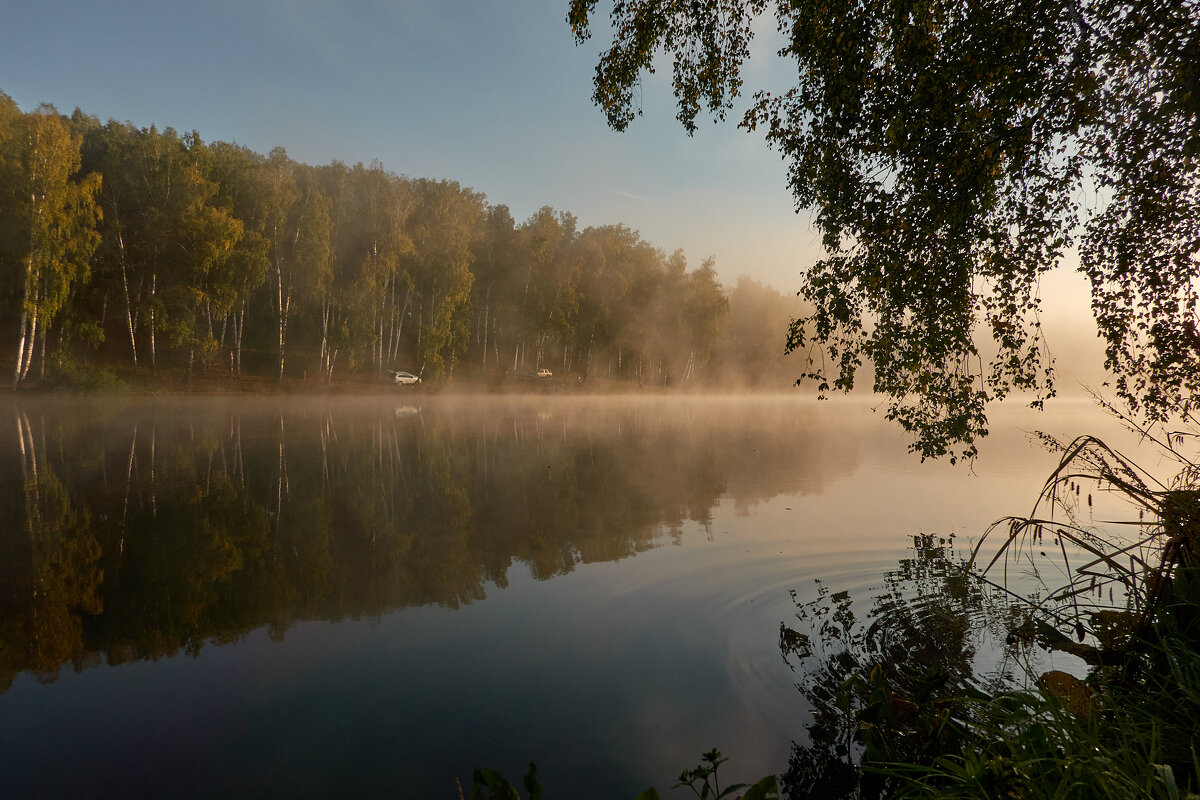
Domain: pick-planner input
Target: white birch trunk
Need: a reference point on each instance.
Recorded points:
(20, 350)
(128, 304)
(28, 345)
(153, 321)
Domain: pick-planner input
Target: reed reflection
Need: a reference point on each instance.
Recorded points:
(887, 685)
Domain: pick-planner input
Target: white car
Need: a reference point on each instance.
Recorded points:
(405, 379)
(544, 373)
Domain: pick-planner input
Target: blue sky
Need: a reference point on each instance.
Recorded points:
(489, 93)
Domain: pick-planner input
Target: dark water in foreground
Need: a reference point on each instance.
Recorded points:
(336, 598)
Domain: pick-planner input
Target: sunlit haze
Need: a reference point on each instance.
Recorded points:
(493, 95)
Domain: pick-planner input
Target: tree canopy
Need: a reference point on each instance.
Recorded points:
(953, 152)
(163, 255)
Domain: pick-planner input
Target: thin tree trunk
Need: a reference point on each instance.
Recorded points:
(28, 345)
(400, 326)
(279, 312)
(391, 358)
(487, 299)
(284, 306)
(128, 304)
(239, 322)
(323, 358)
(153, 321)
(587, 359)
(26, 297)
(496, 339)
(42, 354)
(20, 349)
(379, 341)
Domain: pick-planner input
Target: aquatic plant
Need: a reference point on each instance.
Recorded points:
(701, 780)
(898, 711)
(1115, 574)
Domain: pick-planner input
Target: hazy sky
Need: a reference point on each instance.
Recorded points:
(489, 93)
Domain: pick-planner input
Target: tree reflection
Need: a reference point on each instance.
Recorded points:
(885, 687)
(147, 531)
(49, 566)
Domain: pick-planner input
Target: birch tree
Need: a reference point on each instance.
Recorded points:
(50, 213)
(952, 152)
(297, 228)
(206, 284)
(442, 226)
(238, 171)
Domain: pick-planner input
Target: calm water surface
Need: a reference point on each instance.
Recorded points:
(312, 598)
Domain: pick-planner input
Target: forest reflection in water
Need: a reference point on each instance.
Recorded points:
(142, 532)
(146, 529)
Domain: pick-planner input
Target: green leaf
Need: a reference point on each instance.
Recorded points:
(497, 785)
(765, 789)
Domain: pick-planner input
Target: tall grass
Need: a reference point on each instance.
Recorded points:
(1123, 596)
(1115, 572)
(1105, 567)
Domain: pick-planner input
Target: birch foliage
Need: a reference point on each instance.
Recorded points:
(951, 153)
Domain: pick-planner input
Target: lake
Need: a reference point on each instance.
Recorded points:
(370, 596)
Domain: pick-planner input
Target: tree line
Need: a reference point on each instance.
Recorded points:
(162, 253)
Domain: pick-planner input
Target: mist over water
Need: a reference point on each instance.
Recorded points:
(305, 597)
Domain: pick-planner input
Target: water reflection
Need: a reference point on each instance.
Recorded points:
(148, 529)
(887, 685)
